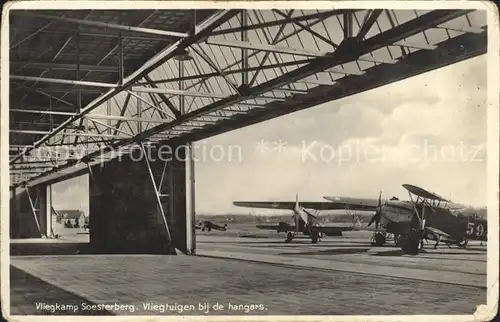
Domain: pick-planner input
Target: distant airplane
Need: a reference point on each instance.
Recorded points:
(208, 225)
(305, 222)
(429, 216)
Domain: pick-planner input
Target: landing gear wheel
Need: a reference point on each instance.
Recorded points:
(209, 229)
(378, 239)
(397, 240)
(314, 237)
(411, 243)
(289, 237)
(463, 243)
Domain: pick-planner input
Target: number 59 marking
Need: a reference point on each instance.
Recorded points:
(470, 228)
(479, 230)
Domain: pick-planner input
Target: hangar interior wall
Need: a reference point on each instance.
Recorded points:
(124, 212)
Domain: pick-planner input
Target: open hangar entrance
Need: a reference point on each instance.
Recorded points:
(50, 217)
(119, 87)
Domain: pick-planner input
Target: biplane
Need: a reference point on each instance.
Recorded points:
(208, 226)
(304, 221)
(427, 216)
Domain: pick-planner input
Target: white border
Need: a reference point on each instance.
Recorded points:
(484, 312)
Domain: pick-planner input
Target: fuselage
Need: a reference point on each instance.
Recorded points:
(458, 222)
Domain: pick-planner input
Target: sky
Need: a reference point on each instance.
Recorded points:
(429, 130)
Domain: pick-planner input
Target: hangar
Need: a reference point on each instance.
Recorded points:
(95, 91)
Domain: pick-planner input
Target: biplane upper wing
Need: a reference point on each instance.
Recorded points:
(290, 205)
(420, 192)
(359, 204)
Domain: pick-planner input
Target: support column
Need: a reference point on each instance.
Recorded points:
(14, 215)
(48, 211)
(42, 213)
(190, 200)
(177, 215)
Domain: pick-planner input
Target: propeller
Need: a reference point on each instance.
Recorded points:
(297, 205)
(376, 218)
(296, 208)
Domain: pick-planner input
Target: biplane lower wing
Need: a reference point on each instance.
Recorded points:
(327, 230)
(443, 236)
(331, 230)
(281, 228)
(288, 205)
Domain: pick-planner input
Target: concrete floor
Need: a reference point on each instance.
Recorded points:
(338, 276)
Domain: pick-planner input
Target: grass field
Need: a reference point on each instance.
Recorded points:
(249, 230)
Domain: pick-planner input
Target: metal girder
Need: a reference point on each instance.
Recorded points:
(412, 27)
(106, 25)
(62, 81)
(32, 35)
(33, 210)
(228, 72)
(345, 53)
(265, 47)
(348, 71)
(67, 90)
(371, 17)
(125, 118)
(176, 92)
(244, 52)
(157, 192)
(139, 108)
(203, 30)
(267, 54)
(193, 94)
(214, 66)
(13, 110)
(109, 127)
(286, 50)
(466, 29)
(306, 28)
(61, 66)
(41, 91)
(411, 44)
(348, 24)
(165, 99)
(65, 134)
(121, 60)
(13, 172)
(280, 22)
(96, 34)
(448, 52)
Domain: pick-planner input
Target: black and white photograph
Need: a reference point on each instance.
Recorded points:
(278, 160)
